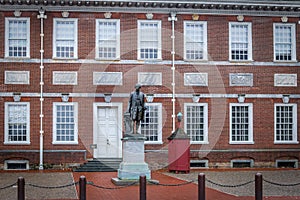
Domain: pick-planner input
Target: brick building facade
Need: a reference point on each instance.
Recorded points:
(67, 69)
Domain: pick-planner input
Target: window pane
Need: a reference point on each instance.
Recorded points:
(284, 123)
(194, 37)
(17, 38)
(149, 40)
(108, 41)
(195, 123)
(239, 42)
(65, 39)
(150, 126)
(17, 123)
(283, 42)
(65, 126)
(240, 126)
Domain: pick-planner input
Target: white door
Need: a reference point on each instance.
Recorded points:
(107, 133)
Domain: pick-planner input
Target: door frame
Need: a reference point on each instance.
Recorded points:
(119, 107)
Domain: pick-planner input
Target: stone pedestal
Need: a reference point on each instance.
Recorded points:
(133, 165)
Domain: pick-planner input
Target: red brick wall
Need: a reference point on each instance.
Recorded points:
(218, 76)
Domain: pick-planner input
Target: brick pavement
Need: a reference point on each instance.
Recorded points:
(155, 192)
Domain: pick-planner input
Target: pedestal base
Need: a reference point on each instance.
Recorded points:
(133, 165)
(133, 171)
(123, 182)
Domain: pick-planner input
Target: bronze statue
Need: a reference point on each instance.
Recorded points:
(136, 108)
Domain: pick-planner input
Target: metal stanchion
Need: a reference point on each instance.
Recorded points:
(201, 186)
(143, 185)
(21, 188)
(82, 188)
(258, 186)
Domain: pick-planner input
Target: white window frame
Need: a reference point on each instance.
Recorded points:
(158, 22)
(295, 140)
(7, 20)
(250, 119)
(159, 133)
(6, 140)
(293, 37)
(205, 123)
(249, 47)
(75, 104)
(55, 20)
(8, 162)
(117, 21)
(204, 40)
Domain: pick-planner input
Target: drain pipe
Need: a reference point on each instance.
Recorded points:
(42, 16)
(173, 18)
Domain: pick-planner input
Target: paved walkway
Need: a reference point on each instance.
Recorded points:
(190, 191)
(37, 178)
(100, 185)
(277, 184)
(155, 192)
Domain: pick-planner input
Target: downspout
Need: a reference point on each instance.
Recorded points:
(173, 18)
(42, 16)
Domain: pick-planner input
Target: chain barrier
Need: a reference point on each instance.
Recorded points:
(171, 185)
(52, 187)
(112, 188)
(281, 184)
(154, 183)
(8, 186)
(229, 186)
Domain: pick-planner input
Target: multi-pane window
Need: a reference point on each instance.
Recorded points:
(151, 125)
(17, 126)
(65, 123)
(149, 39)
(285, 123)
(196, 122)
(17, 38)
(65, 38)
(195, 40)
(107, 39)
(284, 42)
(241, 123)
(240, 41)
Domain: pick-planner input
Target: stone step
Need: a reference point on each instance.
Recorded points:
(100, 165)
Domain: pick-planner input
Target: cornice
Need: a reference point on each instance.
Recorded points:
(254, 7)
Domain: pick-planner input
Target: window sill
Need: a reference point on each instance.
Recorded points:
(17, 58)
(196, 60)
(242, 61)
(65, 143)
(156, 60)
(16, 143)
(287, 142)
(239, 143)
(285, 61)
(56, 58)
(106, 59)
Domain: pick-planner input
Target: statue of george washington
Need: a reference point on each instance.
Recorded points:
(136, 108)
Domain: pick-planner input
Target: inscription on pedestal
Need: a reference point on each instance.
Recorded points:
(285, 80)
(133, 164)
(17, 77)
(133, 151)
